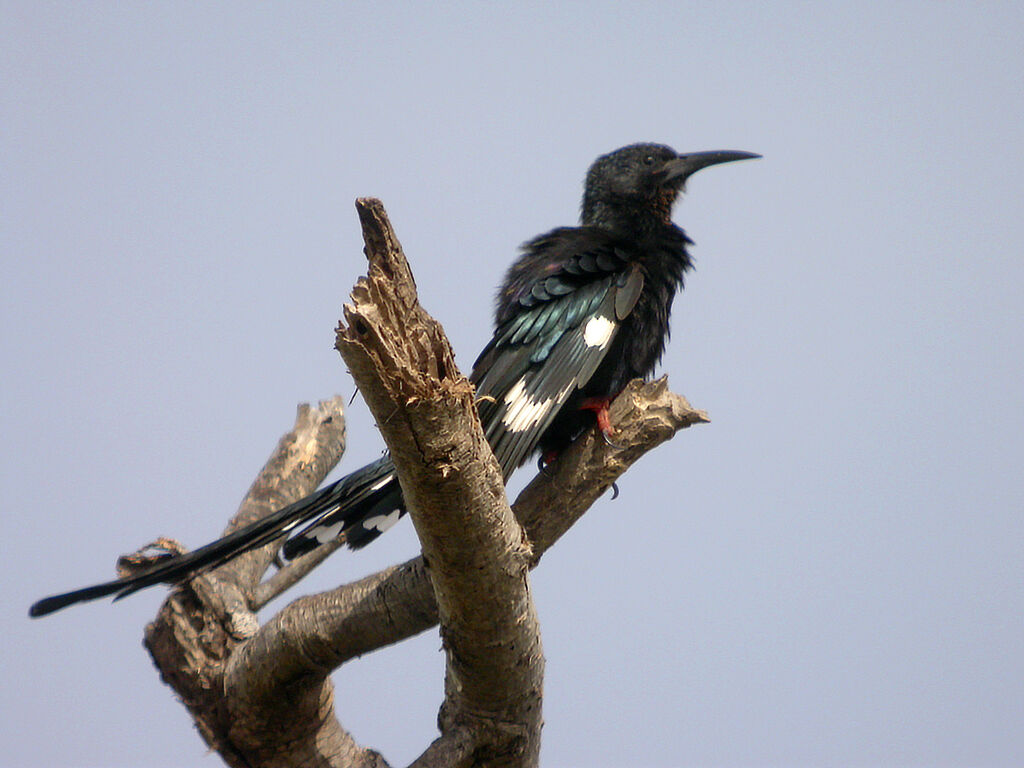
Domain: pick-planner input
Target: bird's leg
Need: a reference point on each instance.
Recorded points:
(599, 405)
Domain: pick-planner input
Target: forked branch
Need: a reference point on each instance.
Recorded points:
(261, 696)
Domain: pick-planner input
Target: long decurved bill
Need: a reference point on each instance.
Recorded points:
(684, 166)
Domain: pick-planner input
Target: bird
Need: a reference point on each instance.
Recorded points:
(582, 312)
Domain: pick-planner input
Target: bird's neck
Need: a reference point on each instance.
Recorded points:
(638, 221)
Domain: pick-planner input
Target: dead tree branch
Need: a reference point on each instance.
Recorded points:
(261, 696)
(202, 624)
(477, 556)
(397, 603)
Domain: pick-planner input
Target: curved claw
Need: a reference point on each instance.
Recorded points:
(615, 491)
(599, 405)
(608, 441)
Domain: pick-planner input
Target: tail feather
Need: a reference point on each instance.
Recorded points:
(373, 503)
(350, 501)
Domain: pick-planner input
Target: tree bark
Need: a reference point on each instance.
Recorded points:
(476, 554)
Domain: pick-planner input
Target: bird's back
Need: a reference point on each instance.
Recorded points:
(583, 311)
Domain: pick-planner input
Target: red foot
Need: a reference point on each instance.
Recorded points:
(599, 405)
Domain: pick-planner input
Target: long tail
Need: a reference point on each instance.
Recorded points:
(360, 507)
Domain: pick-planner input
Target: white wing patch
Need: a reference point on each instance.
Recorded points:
(382, 522)
(598, 331)
(523, 411)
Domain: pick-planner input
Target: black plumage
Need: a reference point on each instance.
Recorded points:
(582, 312)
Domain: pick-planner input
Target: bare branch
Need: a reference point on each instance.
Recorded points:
(203, 623)
(644, 416)
(292, 573)
(452, 750)
(261, 696)
(477, 554)
(301, 462)
(315, 634)
(397, 603)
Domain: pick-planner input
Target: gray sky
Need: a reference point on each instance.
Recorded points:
(829, 574)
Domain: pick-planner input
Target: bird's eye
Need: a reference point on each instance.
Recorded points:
(649, 160)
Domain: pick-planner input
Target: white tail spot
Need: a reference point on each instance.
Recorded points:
(382, 522)
(326, 533)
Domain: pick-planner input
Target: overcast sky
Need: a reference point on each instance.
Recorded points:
(831, 573)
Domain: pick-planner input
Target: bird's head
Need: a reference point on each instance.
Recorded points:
(642, 181)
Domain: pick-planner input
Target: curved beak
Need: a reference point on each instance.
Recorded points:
(679, 169)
